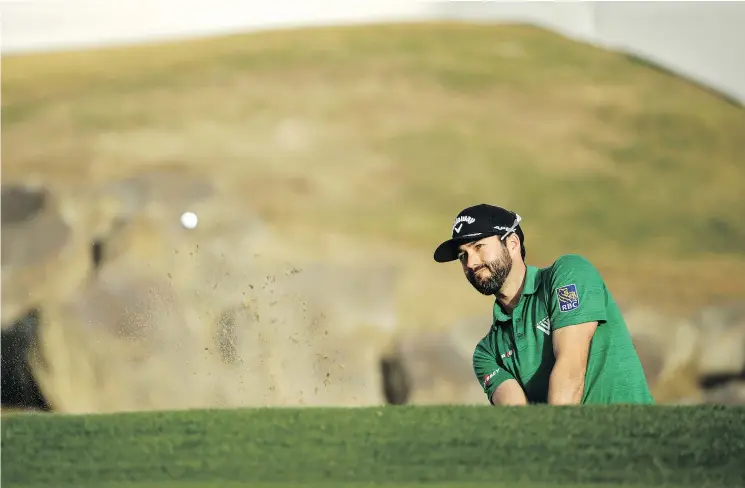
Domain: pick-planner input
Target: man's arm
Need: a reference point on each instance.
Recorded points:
(500, 387)
(577, 308)
(509, 393)
(571, 347)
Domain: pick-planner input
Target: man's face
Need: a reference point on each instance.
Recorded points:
(486, 263)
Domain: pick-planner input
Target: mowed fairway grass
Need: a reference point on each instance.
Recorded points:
(396, 446)
(383, 133)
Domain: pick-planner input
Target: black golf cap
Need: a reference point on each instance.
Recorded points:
(477, 222)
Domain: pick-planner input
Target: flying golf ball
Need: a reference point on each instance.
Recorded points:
(189, 220)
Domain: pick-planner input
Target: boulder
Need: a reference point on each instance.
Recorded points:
(211, 317)
(132, 341)
(126, 342)
(43, 259)
(651, 351)
(19, 387)
(667, 349)
(731, 393)
(151, 315)
(311, 351)
(435, 367)
(721, 348)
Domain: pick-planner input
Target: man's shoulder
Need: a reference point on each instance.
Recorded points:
(485, 345)
(570, 261)
(570, 264)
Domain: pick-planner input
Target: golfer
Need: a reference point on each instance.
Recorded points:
(557, 335)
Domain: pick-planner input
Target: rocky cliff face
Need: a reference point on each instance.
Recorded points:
(110, 304)
(122, 308)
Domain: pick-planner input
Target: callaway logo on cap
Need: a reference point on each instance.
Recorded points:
(477, 222)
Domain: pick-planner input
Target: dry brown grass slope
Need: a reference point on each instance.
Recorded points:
(372, 138)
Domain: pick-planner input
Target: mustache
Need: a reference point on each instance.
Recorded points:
(473, 271)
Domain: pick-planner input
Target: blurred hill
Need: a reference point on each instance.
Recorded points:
(351, 149)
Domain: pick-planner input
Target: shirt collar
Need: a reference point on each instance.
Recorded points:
(532, 280)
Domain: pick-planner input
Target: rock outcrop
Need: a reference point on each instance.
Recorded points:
(138, 312)
(42, 257)
(110, 304)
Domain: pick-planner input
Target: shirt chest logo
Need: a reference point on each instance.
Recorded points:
(568, 297)
(544, 326)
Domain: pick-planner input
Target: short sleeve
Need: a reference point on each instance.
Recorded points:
(577, 292)
(489, 372)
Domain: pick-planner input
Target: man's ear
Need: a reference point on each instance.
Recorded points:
(513, 243)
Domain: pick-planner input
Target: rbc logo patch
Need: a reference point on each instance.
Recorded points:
(568, 298)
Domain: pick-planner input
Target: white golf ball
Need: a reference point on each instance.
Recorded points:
(189, 220)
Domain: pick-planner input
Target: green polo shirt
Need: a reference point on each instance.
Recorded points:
(519, 345)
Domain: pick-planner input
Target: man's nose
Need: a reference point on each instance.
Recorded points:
(473, 262)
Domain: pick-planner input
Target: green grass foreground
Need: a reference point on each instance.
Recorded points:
(398, 446)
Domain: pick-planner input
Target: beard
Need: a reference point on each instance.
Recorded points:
(499, 269)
